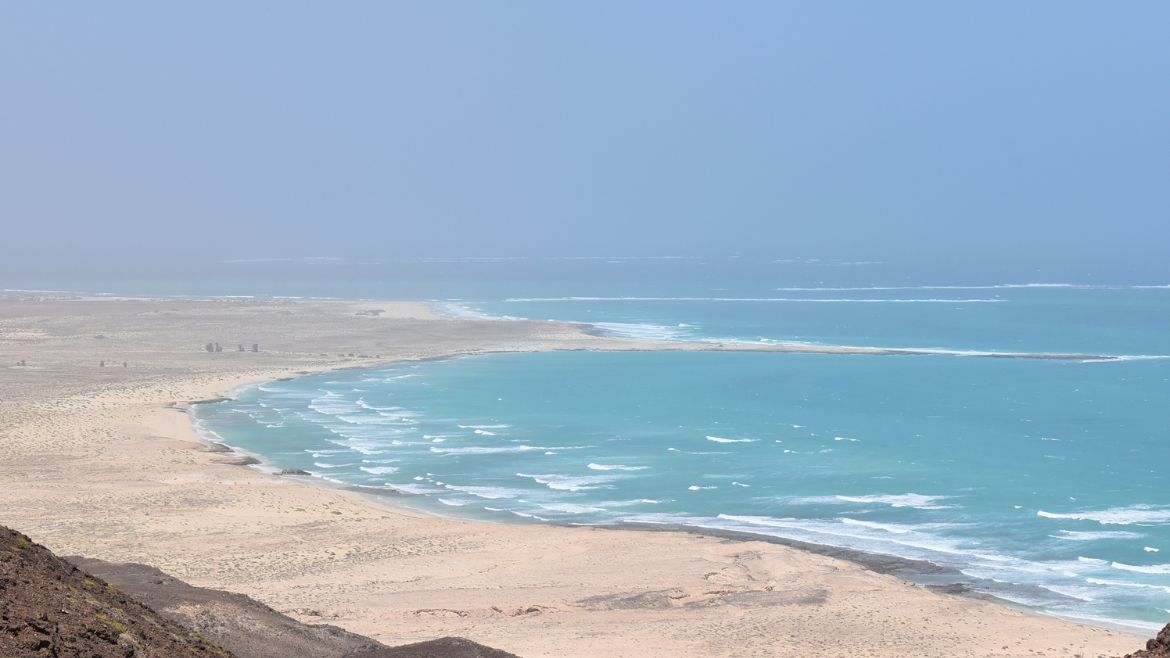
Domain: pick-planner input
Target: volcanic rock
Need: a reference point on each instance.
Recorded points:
(49, 607)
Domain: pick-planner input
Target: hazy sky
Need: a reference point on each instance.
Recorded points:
(888, 130)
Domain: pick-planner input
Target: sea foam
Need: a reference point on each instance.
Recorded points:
(1131, 515)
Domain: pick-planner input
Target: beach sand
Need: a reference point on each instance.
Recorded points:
(103, 462)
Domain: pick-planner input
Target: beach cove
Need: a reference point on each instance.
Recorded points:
(101, 460)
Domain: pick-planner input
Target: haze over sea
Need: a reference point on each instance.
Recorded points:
(1039, 481)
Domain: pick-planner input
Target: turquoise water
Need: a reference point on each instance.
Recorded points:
(1040, 481)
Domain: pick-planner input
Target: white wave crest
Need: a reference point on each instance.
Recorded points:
(498, 426)
(1122, 583)
(491, 493)
(616, 467)
(379, 470)
(895, 528)
(493, 450)
(795, 300)
(917, 501)
(483, 450)
(465, 312)
(573, 482)
(569, 508)
(1149, 568)
(1074, 535)
(642, 330)
(1132, 515)
(719, 439)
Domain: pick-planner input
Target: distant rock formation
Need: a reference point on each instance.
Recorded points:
(1159, 647)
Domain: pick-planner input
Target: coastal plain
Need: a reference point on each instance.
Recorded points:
(98, 458)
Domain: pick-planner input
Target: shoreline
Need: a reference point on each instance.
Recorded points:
(586, 328)
(924, 573)
(97, 462)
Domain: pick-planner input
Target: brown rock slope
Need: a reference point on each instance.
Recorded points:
(251, 629)
(49, 607)
(1158, 647)
(56, 608)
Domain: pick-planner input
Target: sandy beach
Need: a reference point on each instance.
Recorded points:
(101, 461)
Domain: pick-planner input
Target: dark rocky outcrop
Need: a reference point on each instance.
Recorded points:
(250, 629)
(247, 627)
(48, 607)
(85, 608)
(444, 647)
(1159, 647)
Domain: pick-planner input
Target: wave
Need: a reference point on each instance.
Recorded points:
(854, 535)
(377, 420)
(794, 300)
(464, 312)
(894, 528)
(366, 405)
(569, 508)
(573, 482)
(1073, 535)
(663, 333)
(719, 439)
(492, 450)
(1159, 569)
(1000, 286)
(916, 501)
(1125, 583)
(615, 467)
(686, 332)
(379, 470)
(642, 330)
(413, 489)
(490, 493)
(1132, 515)
(484, 450)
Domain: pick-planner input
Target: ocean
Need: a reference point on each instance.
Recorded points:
(1042, 482)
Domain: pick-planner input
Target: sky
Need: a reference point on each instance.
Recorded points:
(153, 134)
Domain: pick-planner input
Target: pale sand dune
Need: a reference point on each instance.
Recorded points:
(94, 461)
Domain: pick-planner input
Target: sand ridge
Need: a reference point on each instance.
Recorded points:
(103, 462)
